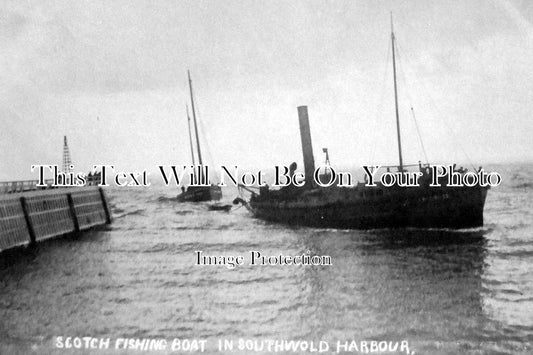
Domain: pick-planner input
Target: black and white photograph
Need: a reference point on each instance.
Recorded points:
(266, 177)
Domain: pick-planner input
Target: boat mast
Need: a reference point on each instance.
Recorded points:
(190, 139)
(196, 128)
(396, 95)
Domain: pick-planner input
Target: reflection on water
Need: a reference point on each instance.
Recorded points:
(397, 285)
(444, 291)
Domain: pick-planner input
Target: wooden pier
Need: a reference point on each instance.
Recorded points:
(34, 216)
(10, 187)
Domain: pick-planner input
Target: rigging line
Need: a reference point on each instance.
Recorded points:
(235, 209)
(191, 142)
(420, 136)
(381, 102)
(403, 77)
(432, 102)
(190, 133)
(205, 134)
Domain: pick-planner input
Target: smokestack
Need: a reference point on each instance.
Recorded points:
(307, 146)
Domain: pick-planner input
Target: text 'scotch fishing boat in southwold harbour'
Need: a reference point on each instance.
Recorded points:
(197, 193)
(363, 206)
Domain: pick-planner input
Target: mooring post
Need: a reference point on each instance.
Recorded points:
(307, 146)
(73, 213)
(106, 207)
(31, 231)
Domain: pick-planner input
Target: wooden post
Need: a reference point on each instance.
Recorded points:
(73, 213)
(106, 207)
(31, 231)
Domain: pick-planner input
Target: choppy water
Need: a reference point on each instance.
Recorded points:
(444, 292)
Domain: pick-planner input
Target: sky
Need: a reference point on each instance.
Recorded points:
(112, 77)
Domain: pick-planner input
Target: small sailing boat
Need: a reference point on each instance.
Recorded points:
(366, 207)
(198, 192)
(217, 206)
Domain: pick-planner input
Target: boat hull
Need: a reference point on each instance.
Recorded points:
(367, 208)
(201, 193)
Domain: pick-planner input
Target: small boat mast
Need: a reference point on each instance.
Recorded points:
(396, 94)
(190, 141)
(196, 128)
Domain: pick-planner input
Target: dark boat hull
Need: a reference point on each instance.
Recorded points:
(201, 193)
(367, 208)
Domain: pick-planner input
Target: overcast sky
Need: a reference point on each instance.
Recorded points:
(112, 76)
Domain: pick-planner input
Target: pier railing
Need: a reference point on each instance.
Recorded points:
(30, 217)
(9, 187)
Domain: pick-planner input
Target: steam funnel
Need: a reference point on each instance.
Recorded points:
(307, 146)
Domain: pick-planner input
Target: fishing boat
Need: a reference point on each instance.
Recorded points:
(198, 191)
(363, 206)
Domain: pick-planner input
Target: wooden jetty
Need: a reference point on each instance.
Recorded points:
(34, 216)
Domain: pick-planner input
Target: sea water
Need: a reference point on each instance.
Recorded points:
(442, 292)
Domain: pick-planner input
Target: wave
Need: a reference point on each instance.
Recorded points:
(163, 199)
(139, 211)
(207, 227)
(521, 180)
(184, 212)
(522, 185)
(513, 254)
(179, 248)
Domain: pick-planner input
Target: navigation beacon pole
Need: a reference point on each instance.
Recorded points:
(67, 162)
